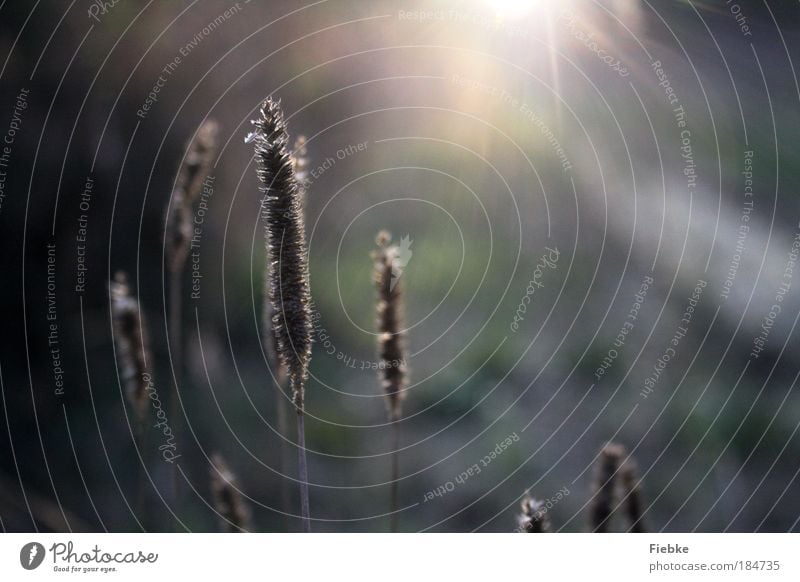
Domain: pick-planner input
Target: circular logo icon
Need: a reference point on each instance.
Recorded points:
(31, 555)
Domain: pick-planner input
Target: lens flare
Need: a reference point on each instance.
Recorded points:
(512, 8)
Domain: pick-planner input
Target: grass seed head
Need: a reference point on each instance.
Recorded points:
(287, 263)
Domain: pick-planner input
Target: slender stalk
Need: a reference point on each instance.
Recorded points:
(175, 341)
(283, 427)
(279, 377)
(302, 469)
(141, 441)
(395, 486)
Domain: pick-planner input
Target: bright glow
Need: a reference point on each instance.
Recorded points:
(512, 8)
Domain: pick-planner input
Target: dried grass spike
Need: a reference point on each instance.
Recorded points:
(533, 518)
(199, 155)
(228, 501)
(391, 348)
(179, 231)
(605, 497)
(631, 486)
(300, 160)
(132, 345)
(287, 256)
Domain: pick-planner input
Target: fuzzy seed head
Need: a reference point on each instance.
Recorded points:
(287, 265)
(130, 335)
(199, 156)
(605, 494)
(300, 160)
(534, 518)
(228, 501)
(391, 342)
(179, 231)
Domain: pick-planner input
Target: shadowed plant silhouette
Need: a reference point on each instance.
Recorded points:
(228, 501)
(391, 348)
(604, 498)
(533, 518)
(632, 498)
(179, 228)
(133, 355)
(130, 335)
(193, 172)
(287, 266)
(300, 161)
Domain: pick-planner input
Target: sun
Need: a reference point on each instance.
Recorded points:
(512, 8)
